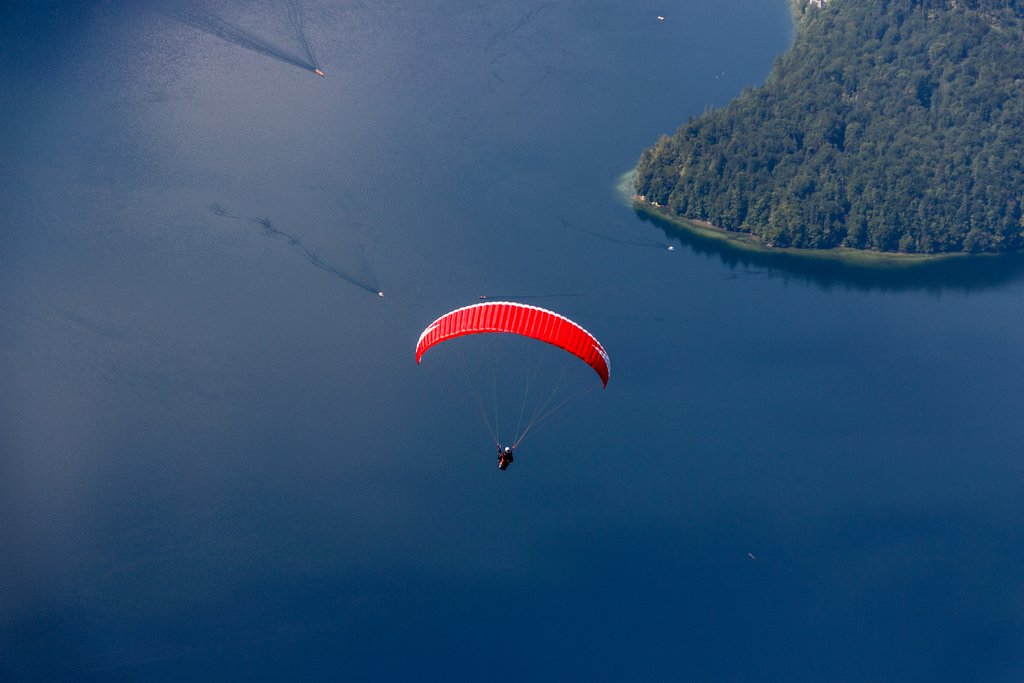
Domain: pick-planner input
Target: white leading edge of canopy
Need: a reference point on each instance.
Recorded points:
(600, 348)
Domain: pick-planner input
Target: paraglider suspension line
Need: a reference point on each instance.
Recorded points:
(460, 367)
(544, 409)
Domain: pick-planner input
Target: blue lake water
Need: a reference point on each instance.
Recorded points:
(219, 460)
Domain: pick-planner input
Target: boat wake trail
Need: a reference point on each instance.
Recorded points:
(639, 242)
(295, 17)
(210, 23)
(268, 230)
(642, 285)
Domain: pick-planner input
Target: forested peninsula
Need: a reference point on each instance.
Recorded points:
(890, 126)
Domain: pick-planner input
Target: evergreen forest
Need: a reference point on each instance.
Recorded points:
(890, 125)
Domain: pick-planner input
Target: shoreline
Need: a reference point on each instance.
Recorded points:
(746, 242)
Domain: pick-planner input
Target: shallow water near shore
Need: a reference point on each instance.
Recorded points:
(219, 459)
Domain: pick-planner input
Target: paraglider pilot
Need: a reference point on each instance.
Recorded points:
(504, 457)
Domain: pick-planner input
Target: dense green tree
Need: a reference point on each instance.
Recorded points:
(892, 125)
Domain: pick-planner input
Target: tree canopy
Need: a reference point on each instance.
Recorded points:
(890, 125)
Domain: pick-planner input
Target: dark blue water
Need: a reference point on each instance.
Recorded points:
(219, 460)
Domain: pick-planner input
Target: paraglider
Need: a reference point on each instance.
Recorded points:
(522, 319)
(504, 457)
(530, 322)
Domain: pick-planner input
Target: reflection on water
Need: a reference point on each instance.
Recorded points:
(943, 274)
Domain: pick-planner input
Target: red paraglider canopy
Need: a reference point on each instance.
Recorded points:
(522, 319)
